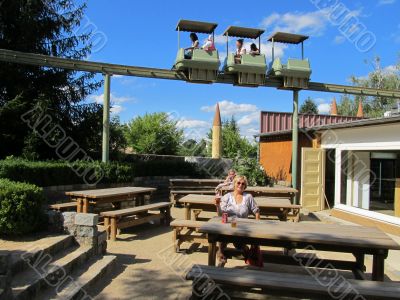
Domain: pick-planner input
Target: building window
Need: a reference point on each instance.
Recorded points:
(368, 180)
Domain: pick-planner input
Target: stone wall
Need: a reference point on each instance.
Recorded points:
(83, 227)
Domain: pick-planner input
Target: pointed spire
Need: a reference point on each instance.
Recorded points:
(217, 116)
(360, 112)
(334, 107)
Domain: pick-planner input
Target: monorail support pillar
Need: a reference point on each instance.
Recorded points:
(295, 141)
(106, 119)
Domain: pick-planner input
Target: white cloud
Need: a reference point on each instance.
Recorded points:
(386, 2)
(312, 23)
(391, 69)
(116, 109)
(324, 108)
(339, 39)
(229, 108)
(194, 129)
(249, 119)
(115, 101)
(190, 123)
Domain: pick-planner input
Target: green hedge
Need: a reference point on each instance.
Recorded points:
(20, 208)
(50, 173)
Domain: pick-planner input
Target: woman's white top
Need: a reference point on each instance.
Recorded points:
(241, 51)
(228, 205)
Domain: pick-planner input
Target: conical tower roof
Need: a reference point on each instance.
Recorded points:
(217, 116)
(334, 108)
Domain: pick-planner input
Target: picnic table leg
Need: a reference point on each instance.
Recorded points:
(360, 265)
(212, 252)
(78, 205)
(85, 208)
(187, 211)
(167, 216)
(107, 226)
(113, 235)
(378, 266)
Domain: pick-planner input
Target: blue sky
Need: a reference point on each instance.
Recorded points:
(142, 33)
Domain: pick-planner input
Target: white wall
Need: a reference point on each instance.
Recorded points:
(368, 138)
(378, 137)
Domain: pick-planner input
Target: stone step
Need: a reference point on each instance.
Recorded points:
(81, 282)
(47, 271)
(51, 245)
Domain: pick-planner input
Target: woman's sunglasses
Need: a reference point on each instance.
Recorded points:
(241, 183)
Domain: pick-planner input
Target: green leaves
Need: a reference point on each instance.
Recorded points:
(154, 134)
(20, 207)
(309, 107)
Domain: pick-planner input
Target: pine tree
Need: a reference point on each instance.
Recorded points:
(50, 28)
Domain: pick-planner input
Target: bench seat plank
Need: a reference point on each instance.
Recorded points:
(133, 210)
(295, 284)
(63, 206)
(186, 223)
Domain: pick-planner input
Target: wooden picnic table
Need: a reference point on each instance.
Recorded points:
(267, 191)
(88, 198)
(279, 207)
(196, 181)
(357, 240)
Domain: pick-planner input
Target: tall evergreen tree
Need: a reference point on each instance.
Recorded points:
(309, 107)
(50, 27)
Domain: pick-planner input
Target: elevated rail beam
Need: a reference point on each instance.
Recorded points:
(11, 56)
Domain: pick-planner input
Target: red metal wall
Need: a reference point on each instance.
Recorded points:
(280, 121)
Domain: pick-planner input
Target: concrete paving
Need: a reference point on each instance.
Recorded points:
(148, 267)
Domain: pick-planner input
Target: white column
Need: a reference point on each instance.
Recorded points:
(338, 173)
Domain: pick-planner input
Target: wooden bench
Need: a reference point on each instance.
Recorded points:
(221, 283)
(69, 206)
(184, 232)
(280, 207)
(175, 195)
(129, 217)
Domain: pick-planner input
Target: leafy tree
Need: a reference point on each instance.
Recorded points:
(309, 107)
(191, 147)
(233, 144)
(154, 134)
(50, 28)
(347, 107)
(380, 78)
(252, 169)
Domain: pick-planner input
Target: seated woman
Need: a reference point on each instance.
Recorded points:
(240, 50)
(195, 45)
(209, 44)
(236, 204)
(228, 182)
(254, 50)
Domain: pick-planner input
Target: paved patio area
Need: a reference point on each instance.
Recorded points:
(148, 268)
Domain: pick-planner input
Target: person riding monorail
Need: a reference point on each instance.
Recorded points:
(240, 50)
(254, 50)
(209, 44)
(195, 45)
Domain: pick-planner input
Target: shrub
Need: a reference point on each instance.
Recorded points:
(20, 207)
(252, 169)
(50, 173)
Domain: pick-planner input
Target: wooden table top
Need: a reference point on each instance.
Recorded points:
(111, 192)
(261, 201)
(267, 189)
(194, 180)
(313, 233)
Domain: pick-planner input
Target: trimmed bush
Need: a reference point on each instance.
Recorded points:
(50, 173)
(20, 207)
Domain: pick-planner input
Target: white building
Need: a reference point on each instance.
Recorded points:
(355, 167)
